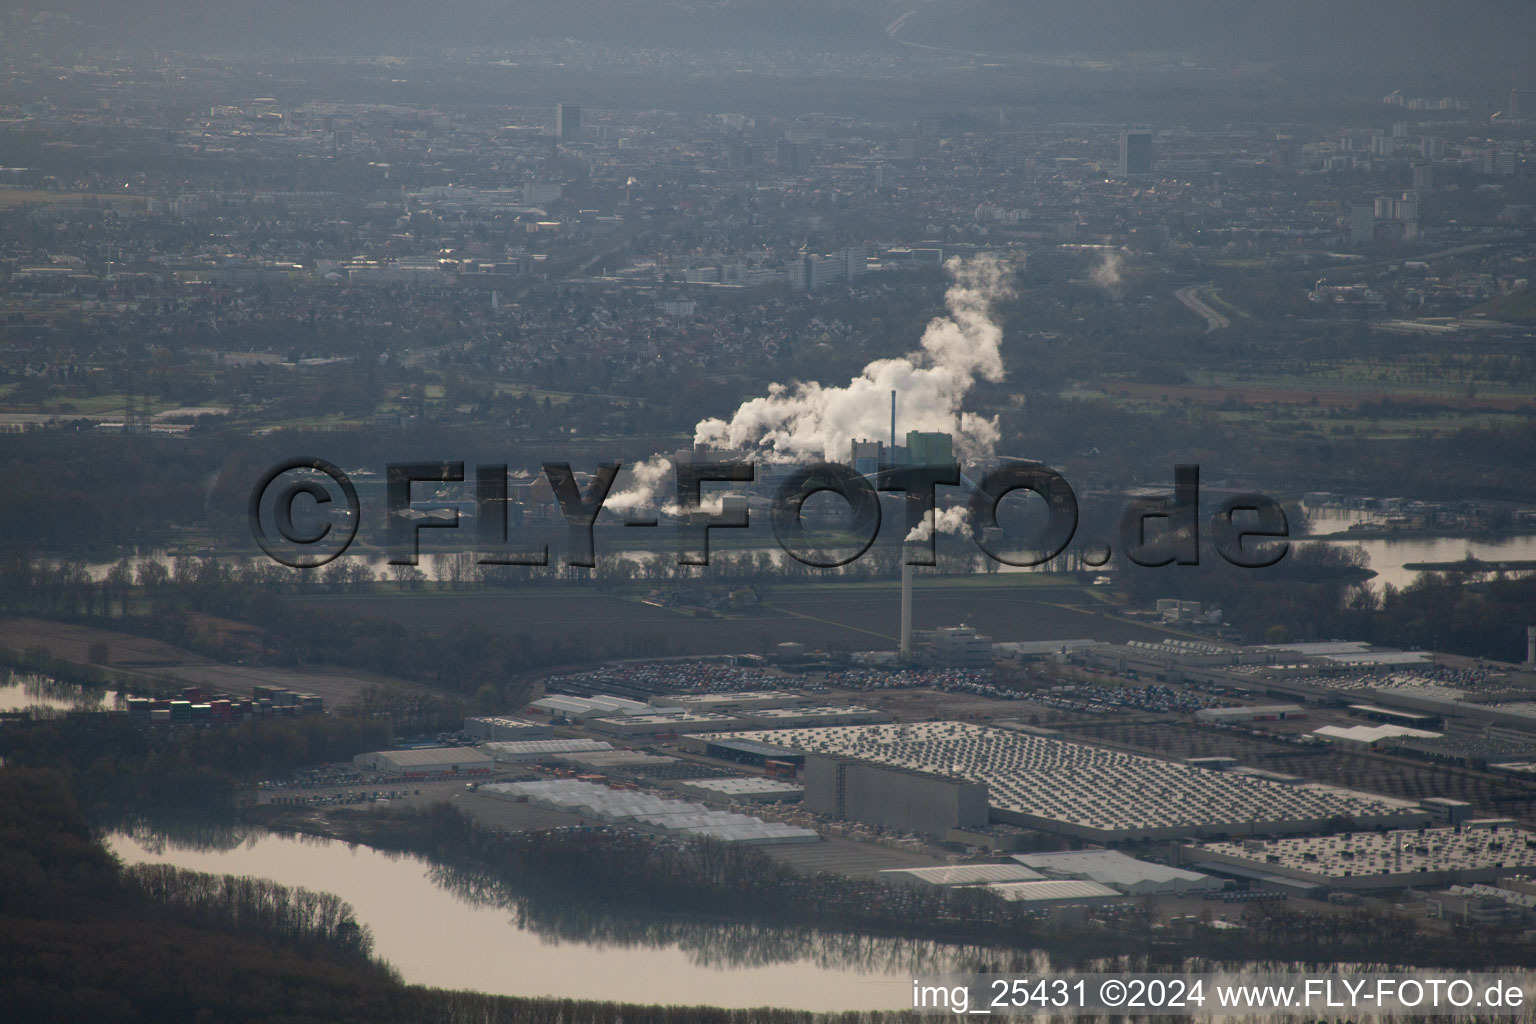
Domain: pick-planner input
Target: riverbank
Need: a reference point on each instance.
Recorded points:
(619, 875)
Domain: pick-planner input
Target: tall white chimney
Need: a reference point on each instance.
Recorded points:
(906, 612)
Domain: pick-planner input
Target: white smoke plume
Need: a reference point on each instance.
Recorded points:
(945, 520)
(639, 494)
(1106, 273)
(808, 420)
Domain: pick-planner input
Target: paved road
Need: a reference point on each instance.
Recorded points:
(1190, 296)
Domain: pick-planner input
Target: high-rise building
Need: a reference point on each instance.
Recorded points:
(1362, 224)
(794, 157)
(1135, 153)
(866, 457)
(1522, 104)
(817, 271)
(930, 448)
(739, 155)
(1423, 177)
(567, 122)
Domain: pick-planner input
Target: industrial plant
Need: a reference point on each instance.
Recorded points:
(959, 774)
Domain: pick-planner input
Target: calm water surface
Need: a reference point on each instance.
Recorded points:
(18, 691)
(434, 937)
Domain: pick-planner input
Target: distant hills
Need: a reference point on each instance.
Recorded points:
(1294, 32)
(1491, 36)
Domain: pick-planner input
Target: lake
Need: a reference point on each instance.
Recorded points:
(19, 691)
(433, 936)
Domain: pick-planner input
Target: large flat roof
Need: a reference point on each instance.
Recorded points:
(1091, 790)
(1372, 733)
(746, 746)
(964, 874)
(1110, 867)
(1054, 891)
(555, 746)
(1395, 853)
(426, 757)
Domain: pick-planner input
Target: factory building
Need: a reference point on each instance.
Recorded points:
(1121, 873)
(1398, 859)
(1446, 811)
(425, 761)
(1105, 796)
(507, 729)
(961, 648)
(892, 797)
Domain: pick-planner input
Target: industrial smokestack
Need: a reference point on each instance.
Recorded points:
(906, 612)
(892, 455)
(1530, 646)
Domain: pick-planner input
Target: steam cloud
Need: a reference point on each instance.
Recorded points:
(1106, 274)
(944, 520)
(646, 480)
(808, 420)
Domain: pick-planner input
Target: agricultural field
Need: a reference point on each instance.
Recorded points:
(147, 657)
(830, 616)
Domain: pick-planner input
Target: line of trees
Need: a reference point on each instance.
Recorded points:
(301, 919)
(120, 768)
(570, 883)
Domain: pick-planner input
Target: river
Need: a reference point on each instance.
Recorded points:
(1388, 557)
(436, 937)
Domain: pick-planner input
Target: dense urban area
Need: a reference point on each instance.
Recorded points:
(808, 499)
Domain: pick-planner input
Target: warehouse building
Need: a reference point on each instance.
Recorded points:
(1446, 811)
(741, 751)
(748, 790)
(507, 729)
(558, 706)
(950, 876)
(726, 702)
(1254, 713)
(892, 797)
(425, 761)
(628, 760)
(1121, 873)
(531, 751)
(592, 800)
(1069, 788)
(656, 723)
(810, 717)
(1434, 857)
(1369, 737)
(1052, 893)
